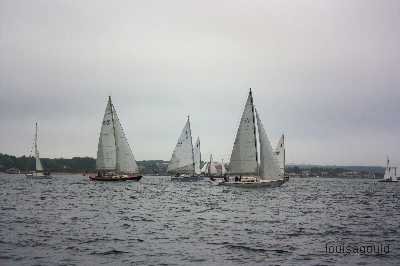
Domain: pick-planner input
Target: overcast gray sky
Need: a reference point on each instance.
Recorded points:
(327, 73)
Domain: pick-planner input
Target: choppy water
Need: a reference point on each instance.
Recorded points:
(72, 221)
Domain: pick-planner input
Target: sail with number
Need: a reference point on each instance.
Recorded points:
(113, 151)
(197, 157)
(243, 159)
(269, 166)
(182, 160)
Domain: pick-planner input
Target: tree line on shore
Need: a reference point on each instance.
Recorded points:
(87, 164)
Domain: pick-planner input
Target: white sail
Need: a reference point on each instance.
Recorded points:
(182, 160)
(223, 169)
(106, 150)
(204, 169)
(212, 169)
(269, 167)
(280, 153)
(197, 157)
(125, 161)
(39, 166)
(244, 153)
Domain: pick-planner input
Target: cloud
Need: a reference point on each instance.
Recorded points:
(325, 73)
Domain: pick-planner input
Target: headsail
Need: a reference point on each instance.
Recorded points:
(280, 153)
(125, 161)
(182, 160)
(244, 153)
(204, 169)
(39, 166)
(269, 168)
(197, 157)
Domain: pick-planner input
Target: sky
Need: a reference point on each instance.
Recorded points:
(325, 73)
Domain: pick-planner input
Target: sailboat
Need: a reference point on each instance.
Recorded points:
(390, 173)
(39, 171)
(197, 157)
(115, 160)
(183, 164)
(211, 168)
(280, 154)
(252, 162)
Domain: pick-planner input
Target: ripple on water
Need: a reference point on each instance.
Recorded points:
(69, 220)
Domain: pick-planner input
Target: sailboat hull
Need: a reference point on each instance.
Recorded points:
(187, 178)
(256, 184)
(116, 178)
(38, 175)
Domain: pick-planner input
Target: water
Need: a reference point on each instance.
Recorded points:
(72, 221)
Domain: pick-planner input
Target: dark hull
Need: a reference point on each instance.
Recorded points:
(115, 178)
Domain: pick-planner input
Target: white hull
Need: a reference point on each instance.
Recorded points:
(38, 175)
(254, 184)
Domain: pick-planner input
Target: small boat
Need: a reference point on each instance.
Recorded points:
(390, 173)
(115, 160)
(185, 160)
(253, 163)
(39, 172)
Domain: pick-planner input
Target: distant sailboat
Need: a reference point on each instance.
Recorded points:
(280, 154)
(390, 173)
(253, 163)
(115, 160)
(183, 163)
(39, 172)
(197, 157)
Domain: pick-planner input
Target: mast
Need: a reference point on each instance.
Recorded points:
(115, 137)
(254, 130)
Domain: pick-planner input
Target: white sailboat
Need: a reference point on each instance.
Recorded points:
(390, 173)
(280, 154)
(197, 157)
(183, 163)
(39, 171)
(253, 163)
(115, 160)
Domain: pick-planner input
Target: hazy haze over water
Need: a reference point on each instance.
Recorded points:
(323, 72)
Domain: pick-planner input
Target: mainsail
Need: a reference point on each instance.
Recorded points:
(113, 152)
(244, 153)
(269, 168)
(182, 160)
(39, 166)
(280, 153)
(197, 157)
